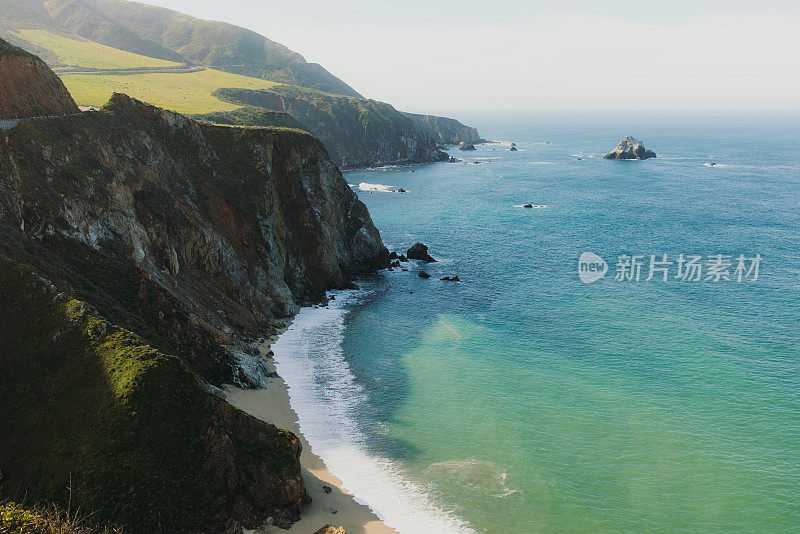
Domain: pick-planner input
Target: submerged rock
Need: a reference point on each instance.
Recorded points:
(419, 252)
(424, 275)
(513, 149)
(528, 206)
(630, 148)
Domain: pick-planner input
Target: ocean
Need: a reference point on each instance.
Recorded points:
(522, 399)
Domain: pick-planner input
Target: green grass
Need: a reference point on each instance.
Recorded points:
(189, 93)
(78, 52)
(21, 519)
(90, 406)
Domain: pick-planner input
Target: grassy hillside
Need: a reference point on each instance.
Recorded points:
(189, 93)
(163, 34)
(95, 417)
(79, 52)
(252, 116)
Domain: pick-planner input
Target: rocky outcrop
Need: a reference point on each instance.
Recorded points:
(445, 130)
(466, 146)
(96, 418)
(418, 251)
(28, 88)
(189, 232)
(356, 132)
(630, 148)
(330, 529)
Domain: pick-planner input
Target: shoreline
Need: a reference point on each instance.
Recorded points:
(273, 405)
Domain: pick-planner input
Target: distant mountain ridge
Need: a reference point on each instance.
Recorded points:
(169, 35)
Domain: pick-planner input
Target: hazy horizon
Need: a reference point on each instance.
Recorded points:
(420, 57)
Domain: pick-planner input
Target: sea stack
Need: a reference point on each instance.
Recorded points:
(466, 146)
(419, 252)
(630, 148)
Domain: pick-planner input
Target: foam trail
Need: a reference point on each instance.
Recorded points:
(364, 186)
(327, 399)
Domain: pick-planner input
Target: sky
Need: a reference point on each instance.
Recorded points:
(427, 56)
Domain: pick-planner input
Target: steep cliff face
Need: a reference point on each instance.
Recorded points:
(28, 88)
(356, 132)
(183, 241)
(188, 234)
(93, 415)
(446, 131)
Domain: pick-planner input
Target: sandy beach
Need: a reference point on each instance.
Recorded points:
(272, 405)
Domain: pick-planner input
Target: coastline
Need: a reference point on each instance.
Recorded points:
(273, 405)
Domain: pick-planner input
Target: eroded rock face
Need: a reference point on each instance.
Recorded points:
(445, 130)
(356, 132)
(198, 234)
(28, 88)
(630, 148)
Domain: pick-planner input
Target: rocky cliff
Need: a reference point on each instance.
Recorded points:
(446, 131)
(357, 132)
(141, 252)
(178, 228)
(95, 417)
(28, 88)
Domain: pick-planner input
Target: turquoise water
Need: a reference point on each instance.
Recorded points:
(522, 400)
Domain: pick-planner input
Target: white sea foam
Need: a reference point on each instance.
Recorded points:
(327, 399)
(480, 475)
(364, 186)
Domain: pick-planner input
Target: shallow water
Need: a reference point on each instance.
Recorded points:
(523, 400)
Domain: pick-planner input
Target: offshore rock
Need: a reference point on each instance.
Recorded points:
(630, 148)
(418, 251)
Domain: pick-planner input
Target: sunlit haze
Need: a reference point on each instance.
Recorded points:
(422, 56)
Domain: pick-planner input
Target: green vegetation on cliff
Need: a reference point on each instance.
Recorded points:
(356, 132)
(252, 116)
(89, 406)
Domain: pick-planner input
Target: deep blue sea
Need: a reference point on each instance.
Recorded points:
(524, 400)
